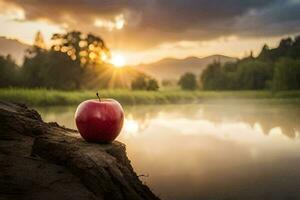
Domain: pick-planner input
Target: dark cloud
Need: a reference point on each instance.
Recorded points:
(277, 19)
(151, 22)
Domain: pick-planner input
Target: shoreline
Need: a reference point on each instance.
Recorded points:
(44, 97)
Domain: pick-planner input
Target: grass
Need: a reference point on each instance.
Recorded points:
(44, 97)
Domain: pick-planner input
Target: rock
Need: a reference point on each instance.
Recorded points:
(41, 160)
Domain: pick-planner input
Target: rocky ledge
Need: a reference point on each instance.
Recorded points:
(41, 160)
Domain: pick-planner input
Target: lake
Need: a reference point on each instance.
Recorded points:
(221, 150)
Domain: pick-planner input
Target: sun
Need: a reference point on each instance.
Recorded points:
(118, 60)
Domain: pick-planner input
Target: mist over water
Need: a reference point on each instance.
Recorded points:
(228, 150)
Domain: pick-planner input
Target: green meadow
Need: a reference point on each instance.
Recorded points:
(45, 97)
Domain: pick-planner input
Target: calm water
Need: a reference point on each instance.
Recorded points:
(211, 151)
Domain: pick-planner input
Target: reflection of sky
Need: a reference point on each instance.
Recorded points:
(192, 151)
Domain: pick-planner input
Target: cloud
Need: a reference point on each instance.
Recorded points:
(280, 18)
(148, 23)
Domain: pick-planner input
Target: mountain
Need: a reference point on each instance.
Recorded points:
(171, 68)
(13, 47)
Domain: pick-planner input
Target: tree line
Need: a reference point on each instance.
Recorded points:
(79, 61)
(274, 69)
(74, 61)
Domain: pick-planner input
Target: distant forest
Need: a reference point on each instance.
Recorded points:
(275, 69)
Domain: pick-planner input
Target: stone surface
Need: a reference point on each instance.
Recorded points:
(41, 160)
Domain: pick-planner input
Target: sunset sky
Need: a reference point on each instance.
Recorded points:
(148, 30)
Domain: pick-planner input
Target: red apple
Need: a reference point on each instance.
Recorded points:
(99, 120)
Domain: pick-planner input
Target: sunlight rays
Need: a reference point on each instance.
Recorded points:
(116, 77)
(118, 60)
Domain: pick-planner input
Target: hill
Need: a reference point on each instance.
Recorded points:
(172, 68)
(13, 47)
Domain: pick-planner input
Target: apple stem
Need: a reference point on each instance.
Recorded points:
(98, 96)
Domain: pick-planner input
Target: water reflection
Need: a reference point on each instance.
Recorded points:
(267, 119)
(211, 151)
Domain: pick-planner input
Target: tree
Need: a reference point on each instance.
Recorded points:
(140, 83)
(285, 43)
(143, 82)
(34, 61)
(51, 69)
(244, 74)
(55, 76)
(8, 72)
(287, 75)
(166, 83)
(295, 49)
(86, 50)
(32, 68)
(39, 41)
(253, 75)
(188, 81)
(152, 85)
(213, 77)
(265, 53)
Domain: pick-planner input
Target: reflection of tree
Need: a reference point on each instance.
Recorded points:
(142, 115)
(267, 126)
(268, 117)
